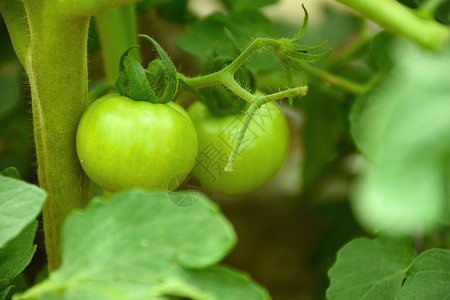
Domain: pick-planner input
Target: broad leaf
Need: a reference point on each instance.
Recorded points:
(20, 203)
(15, 256)
(140, 245)
(428, 277)
(324, 127)
(215, 31)
(370, 269)
(403, 127)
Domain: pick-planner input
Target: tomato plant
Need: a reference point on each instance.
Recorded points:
(266, 140)
(122, 143)
(360, 209)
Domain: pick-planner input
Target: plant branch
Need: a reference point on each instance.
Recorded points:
(332, 79)
(297, 91)
(15, 18)
(201, 81)
(394, 16)
(254, 46)
(237, 143)
(87, 8)
(58, 81)
(117, 32)
(232, 85)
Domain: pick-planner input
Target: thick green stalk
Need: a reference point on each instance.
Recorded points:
(58, 80)
(117, 32)
(13, 13)
(394, 16)
(57, 72)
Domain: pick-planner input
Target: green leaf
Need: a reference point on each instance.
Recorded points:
(16, 255)
(132, 81)
(176, 11)
(244, 4)
(172, 74)
(370, 269)
(380, 55)
(308, 57)
(140, 245)
(442, 13)
(20, 203)
(336, 28)
(216, 282)
(403, 127)
(428, 276)
(210, 33)
(4, 293)
(10, 172)
(302, 29)
(144, 5)
(324, 128)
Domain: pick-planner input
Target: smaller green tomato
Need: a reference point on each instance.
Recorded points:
(122, 143)
(260, 157)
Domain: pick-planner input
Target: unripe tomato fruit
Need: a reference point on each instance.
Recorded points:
(122, 143)
(260, 156)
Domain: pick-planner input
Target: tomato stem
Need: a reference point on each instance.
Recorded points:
(13, 13)
(332, 79)
(117, 32)
(254, 46)
(394, 16)
(237, 143)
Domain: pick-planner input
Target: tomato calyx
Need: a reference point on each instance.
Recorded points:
(156, 84)
(293, 56)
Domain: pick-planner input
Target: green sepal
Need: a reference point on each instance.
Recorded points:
(307, 57)
(302, 29)
(171, 73)
(157, 76)
(309, 48)
(132, 81)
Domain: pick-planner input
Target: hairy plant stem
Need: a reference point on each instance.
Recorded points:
(237, 143)
(58, 80)
(333, 79)
(394, 16)
(13, 13)
(254, 46)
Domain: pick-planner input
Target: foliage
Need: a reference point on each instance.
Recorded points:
(407, 140)
(120, 248)
(20, 203)
(374, 137)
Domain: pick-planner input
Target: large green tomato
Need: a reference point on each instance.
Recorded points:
(260, 156)
(122, 143)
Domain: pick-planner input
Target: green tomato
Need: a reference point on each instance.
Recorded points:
(122, 143)
(260, 156)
